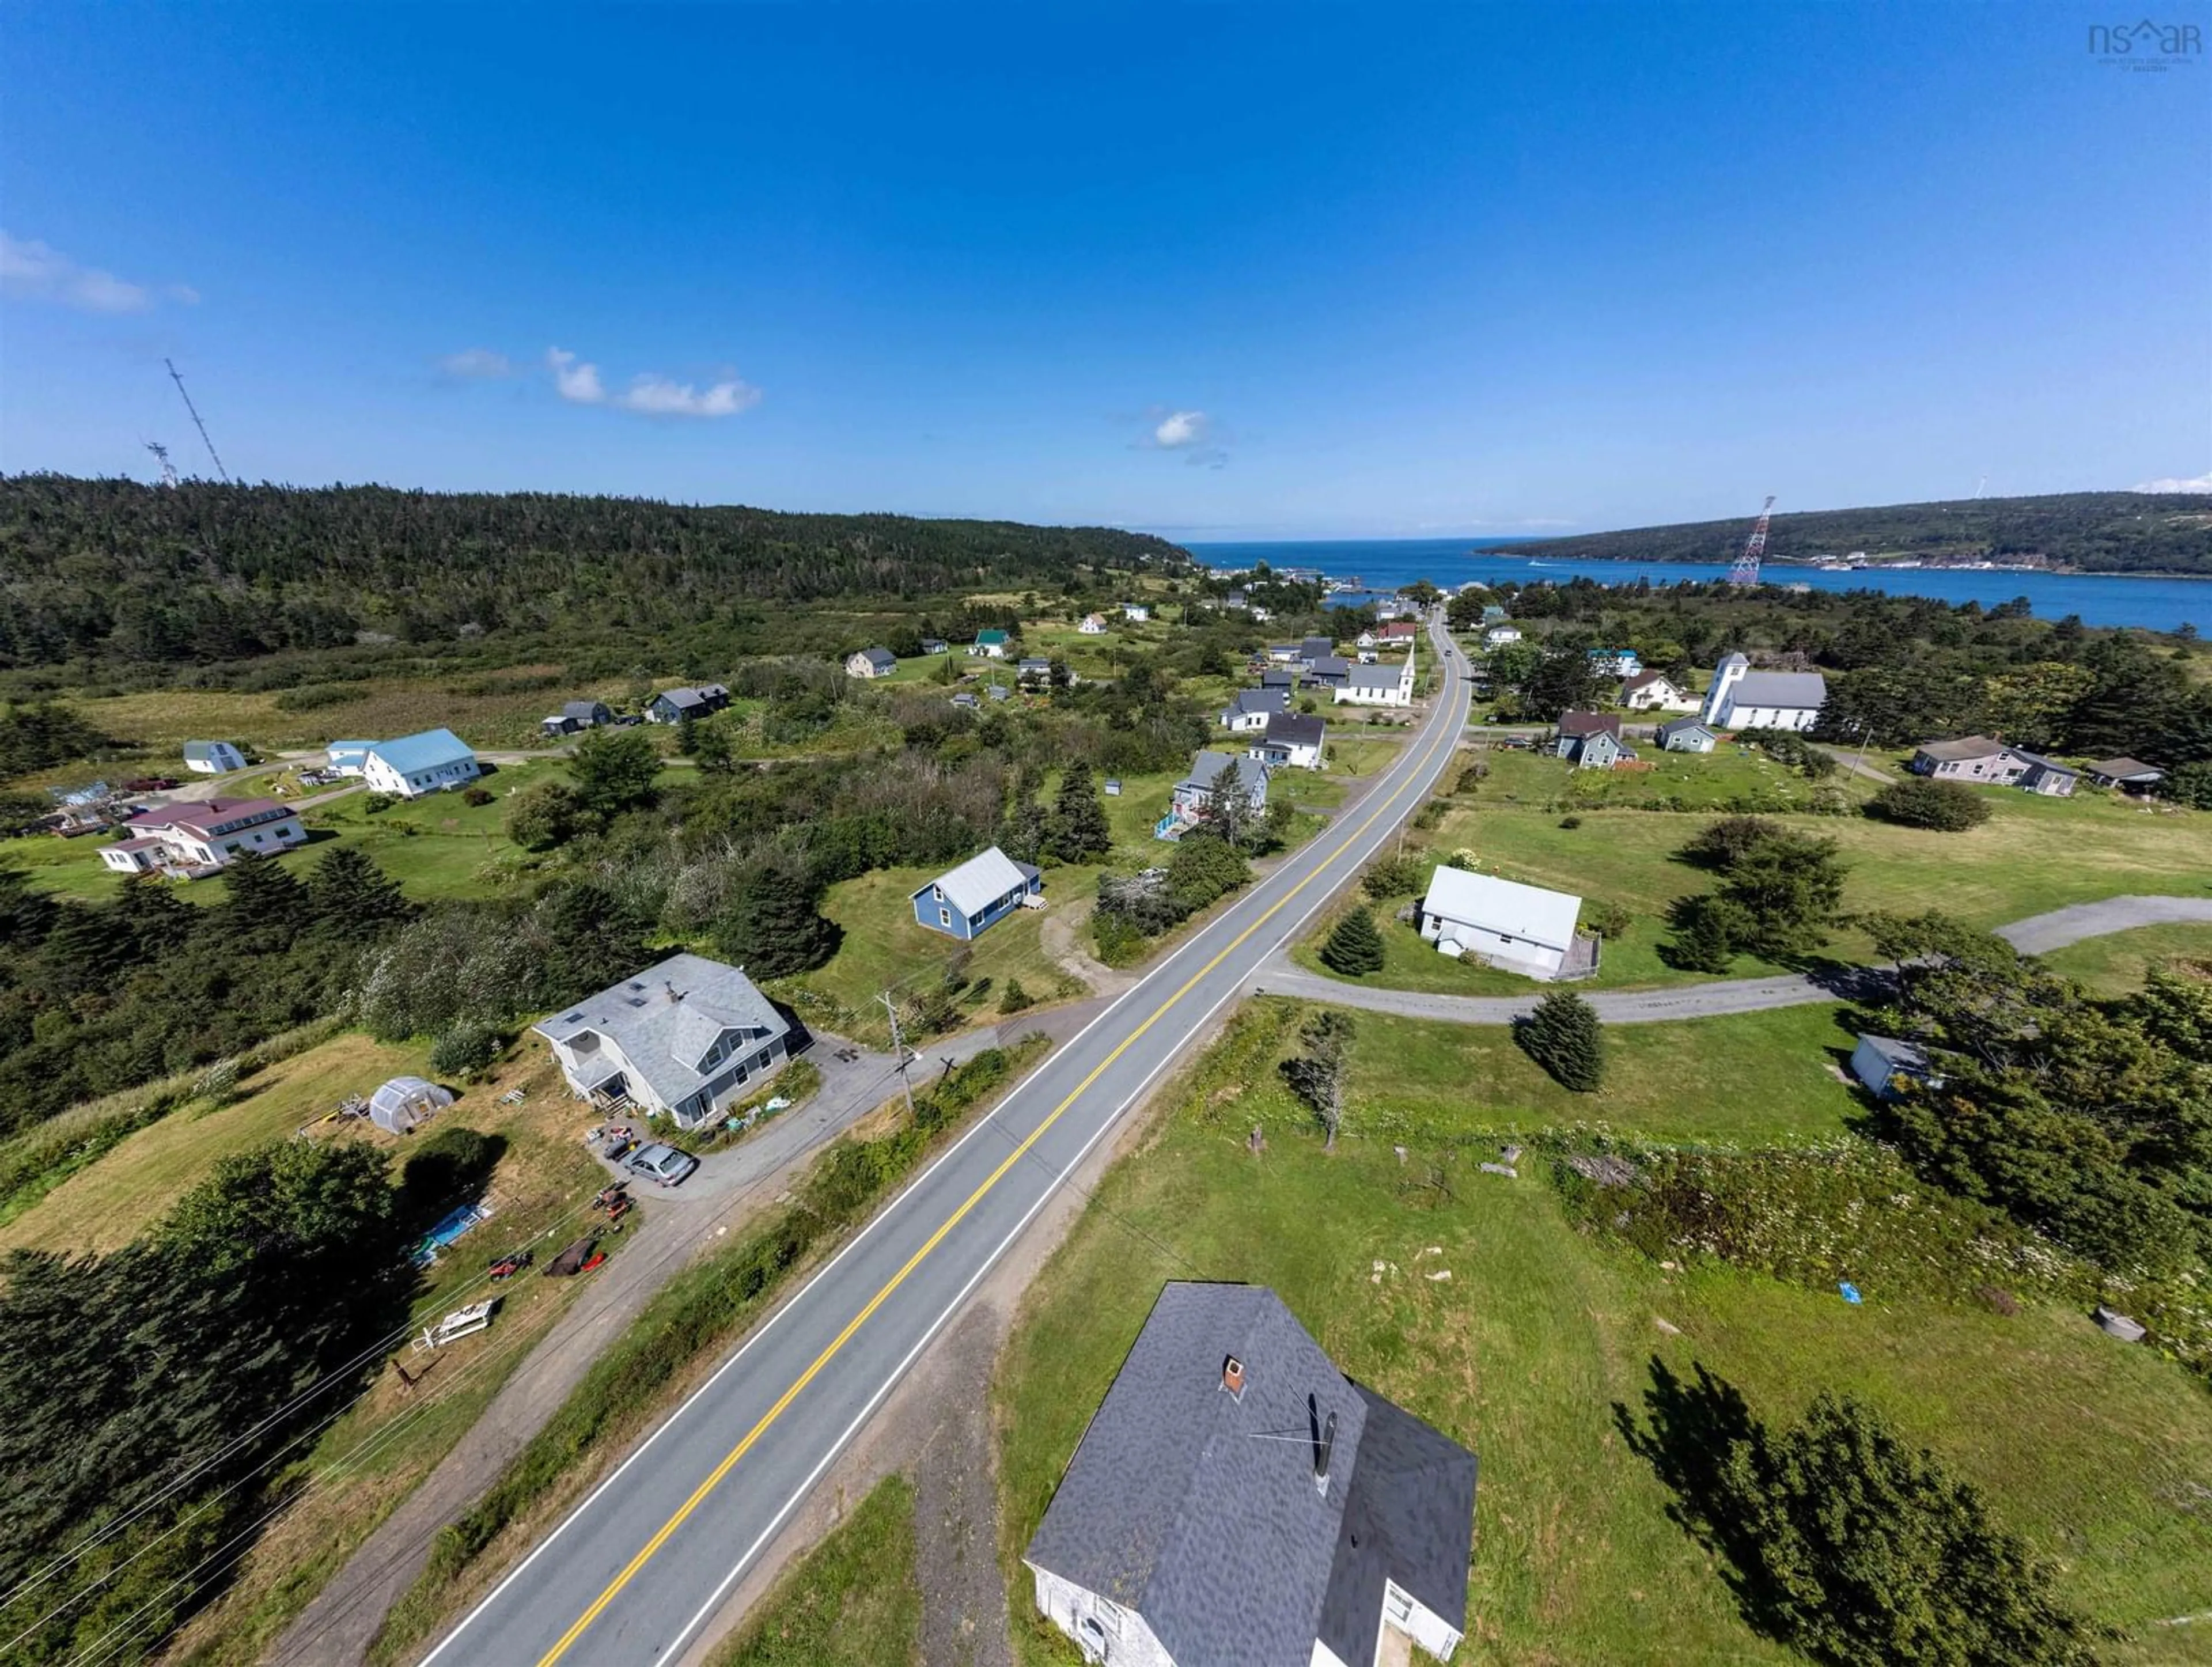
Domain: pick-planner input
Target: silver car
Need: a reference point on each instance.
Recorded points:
(664, 1164)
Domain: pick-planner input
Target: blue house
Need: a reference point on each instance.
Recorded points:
(978, 894)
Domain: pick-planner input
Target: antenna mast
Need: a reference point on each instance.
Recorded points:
(168, 469)
(202, 427)
(1746, 570)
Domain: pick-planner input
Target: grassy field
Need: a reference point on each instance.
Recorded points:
(2033, 854)
(2114, 965)
(852, 1601)
(1693, 780)
(436, 846)
(1540, 1334)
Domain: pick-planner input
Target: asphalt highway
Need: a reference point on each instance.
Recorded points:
(641, 1565)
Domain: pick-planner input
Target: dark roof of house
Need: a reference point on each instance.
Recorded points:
(1182, 1503)
(2039, 762)
(1261, 700)
(1589, 723)
(1678, 726)
(1643, 677)
(1317, 645)
(682, 699)
(582, 709)
(1279, 677)
(1329, 665)
(2120, 769)
(881, 658)
(1294, 729)
(1409, 1518)
(1964, 748)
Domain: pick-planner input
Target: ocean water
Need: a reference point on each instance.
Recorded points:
(1383, 564)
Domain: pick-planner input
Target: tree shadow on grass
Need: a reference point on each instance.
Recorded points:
(1687, 1434)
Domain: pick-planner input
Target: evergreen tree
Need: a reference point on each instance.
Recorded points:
(771, 925)
(1028, 830)
(160, 919)
(1080, 832)
(546, 816)
(349, 894)
(589, 938)
(263, 904)
(89, 949)
(1229, 805)
(26, 914)
(1355, 947)
(1317, 1076)
(711, 749)
(615, 771)
(1563, 1035)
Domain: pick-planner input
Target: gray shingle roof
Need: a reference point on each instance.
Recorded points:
(1378, 676)
(666, 1018)
(2120, 769)
(1680, 726)
(584, 711)
(1248, 701)
(1782, 689)
(1294, 729)
(1892, 1050)
(1207, 763)
(2041, 763)
(1198, 1508)
(1965, 747)
(881, 658)
(1409, 1517)
(1329, 665)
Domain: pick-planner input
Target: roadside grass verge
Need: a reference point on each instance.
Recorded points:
(1544, 1336)
(697, 1314)
(854, 1601)
(2115, 964)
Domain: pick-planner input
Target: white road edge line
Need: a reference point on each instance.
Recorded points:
(881, 1216)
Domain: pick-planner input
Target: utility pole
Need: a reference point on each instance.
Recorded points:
(1865, 725)
(898, 1048)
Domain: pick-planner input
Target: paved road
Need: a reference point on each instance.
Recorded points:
(2036, 935)
(633, 1573)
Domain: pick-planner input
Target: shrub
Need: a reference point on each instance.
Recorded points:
(2189, 784)
(465, 1049)
(1354, 947)
(476, 796)
(378, 802)
(1945, 807)
(1570, 822)
(448, 1166)
(1608, 920)
(1014, 998)
(1393, 877)
(1719, 844)
(1564, 1036)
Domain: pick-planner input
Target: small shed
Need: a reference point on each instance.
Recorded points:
(1882, 1063)
(404, 1102)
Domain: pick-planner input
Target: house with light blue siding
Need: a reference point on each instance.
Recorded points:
(965, 901)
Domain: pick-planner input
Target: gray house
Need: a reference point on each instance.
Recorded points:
(1236, 1498)
(681, 1038)
(1249, 709)
(576, 716)
(674, 705)
(1591, 740)
(1685, 735)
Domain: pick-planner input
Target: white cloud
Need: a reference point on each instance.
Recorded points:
(478, 364)
(649, 394)
(2201, 483)
(579, 383)
(657, 396)
(32, 271)
(1180, 428)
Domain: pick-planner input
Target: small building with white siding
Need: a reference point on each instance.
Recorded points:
(1522, 928)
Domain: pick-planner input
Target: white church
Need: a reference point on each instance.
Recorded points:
(1741, 698)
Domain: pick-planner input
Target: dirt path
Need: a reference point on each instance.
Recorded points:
(1065, 945)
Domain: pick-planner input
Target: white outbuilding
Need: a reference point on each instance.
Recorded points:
(1522, 928)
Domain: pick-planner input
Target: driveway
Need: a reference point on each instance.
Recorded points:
(2036, 935)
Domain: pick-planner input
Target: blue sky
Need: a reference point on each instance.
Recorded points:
(1219, 271)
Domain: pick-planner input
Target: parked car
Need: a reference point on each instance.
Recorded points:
(664, 1164)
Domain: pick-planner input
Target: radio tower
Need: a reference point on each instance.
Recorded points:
(168, 469)
(1746, 570)
(202, 427)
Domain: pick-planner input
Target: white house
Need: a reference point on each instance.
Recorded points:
(1390, 634)
(1290, 741)
(1377, 685)
(683, 1039)
(190, 838)
(1136, 612)
(1092, 625)
(1615, 662)
(1741, 698)
(416, 764)
(1249, 709)
(870, 663)
(1522, 928)
(1654, 691)
(212, 757)
(1236, 1498)
(1498, 636)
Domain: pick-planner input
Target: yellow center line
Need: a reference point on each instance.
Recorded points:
(562, 1645)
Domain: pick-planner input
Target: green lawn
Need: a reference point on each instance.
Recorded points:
(1525, 1352)
(438, 845)
(2114, 965)
(1692, 780)
(854, 1601)
(2033, 854)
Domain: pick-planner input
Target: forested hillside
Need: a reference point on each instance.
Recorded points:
(115, 571)
(2091, 531)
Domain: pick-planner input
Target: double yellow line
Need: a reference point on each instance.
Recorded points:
(1448, 733)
